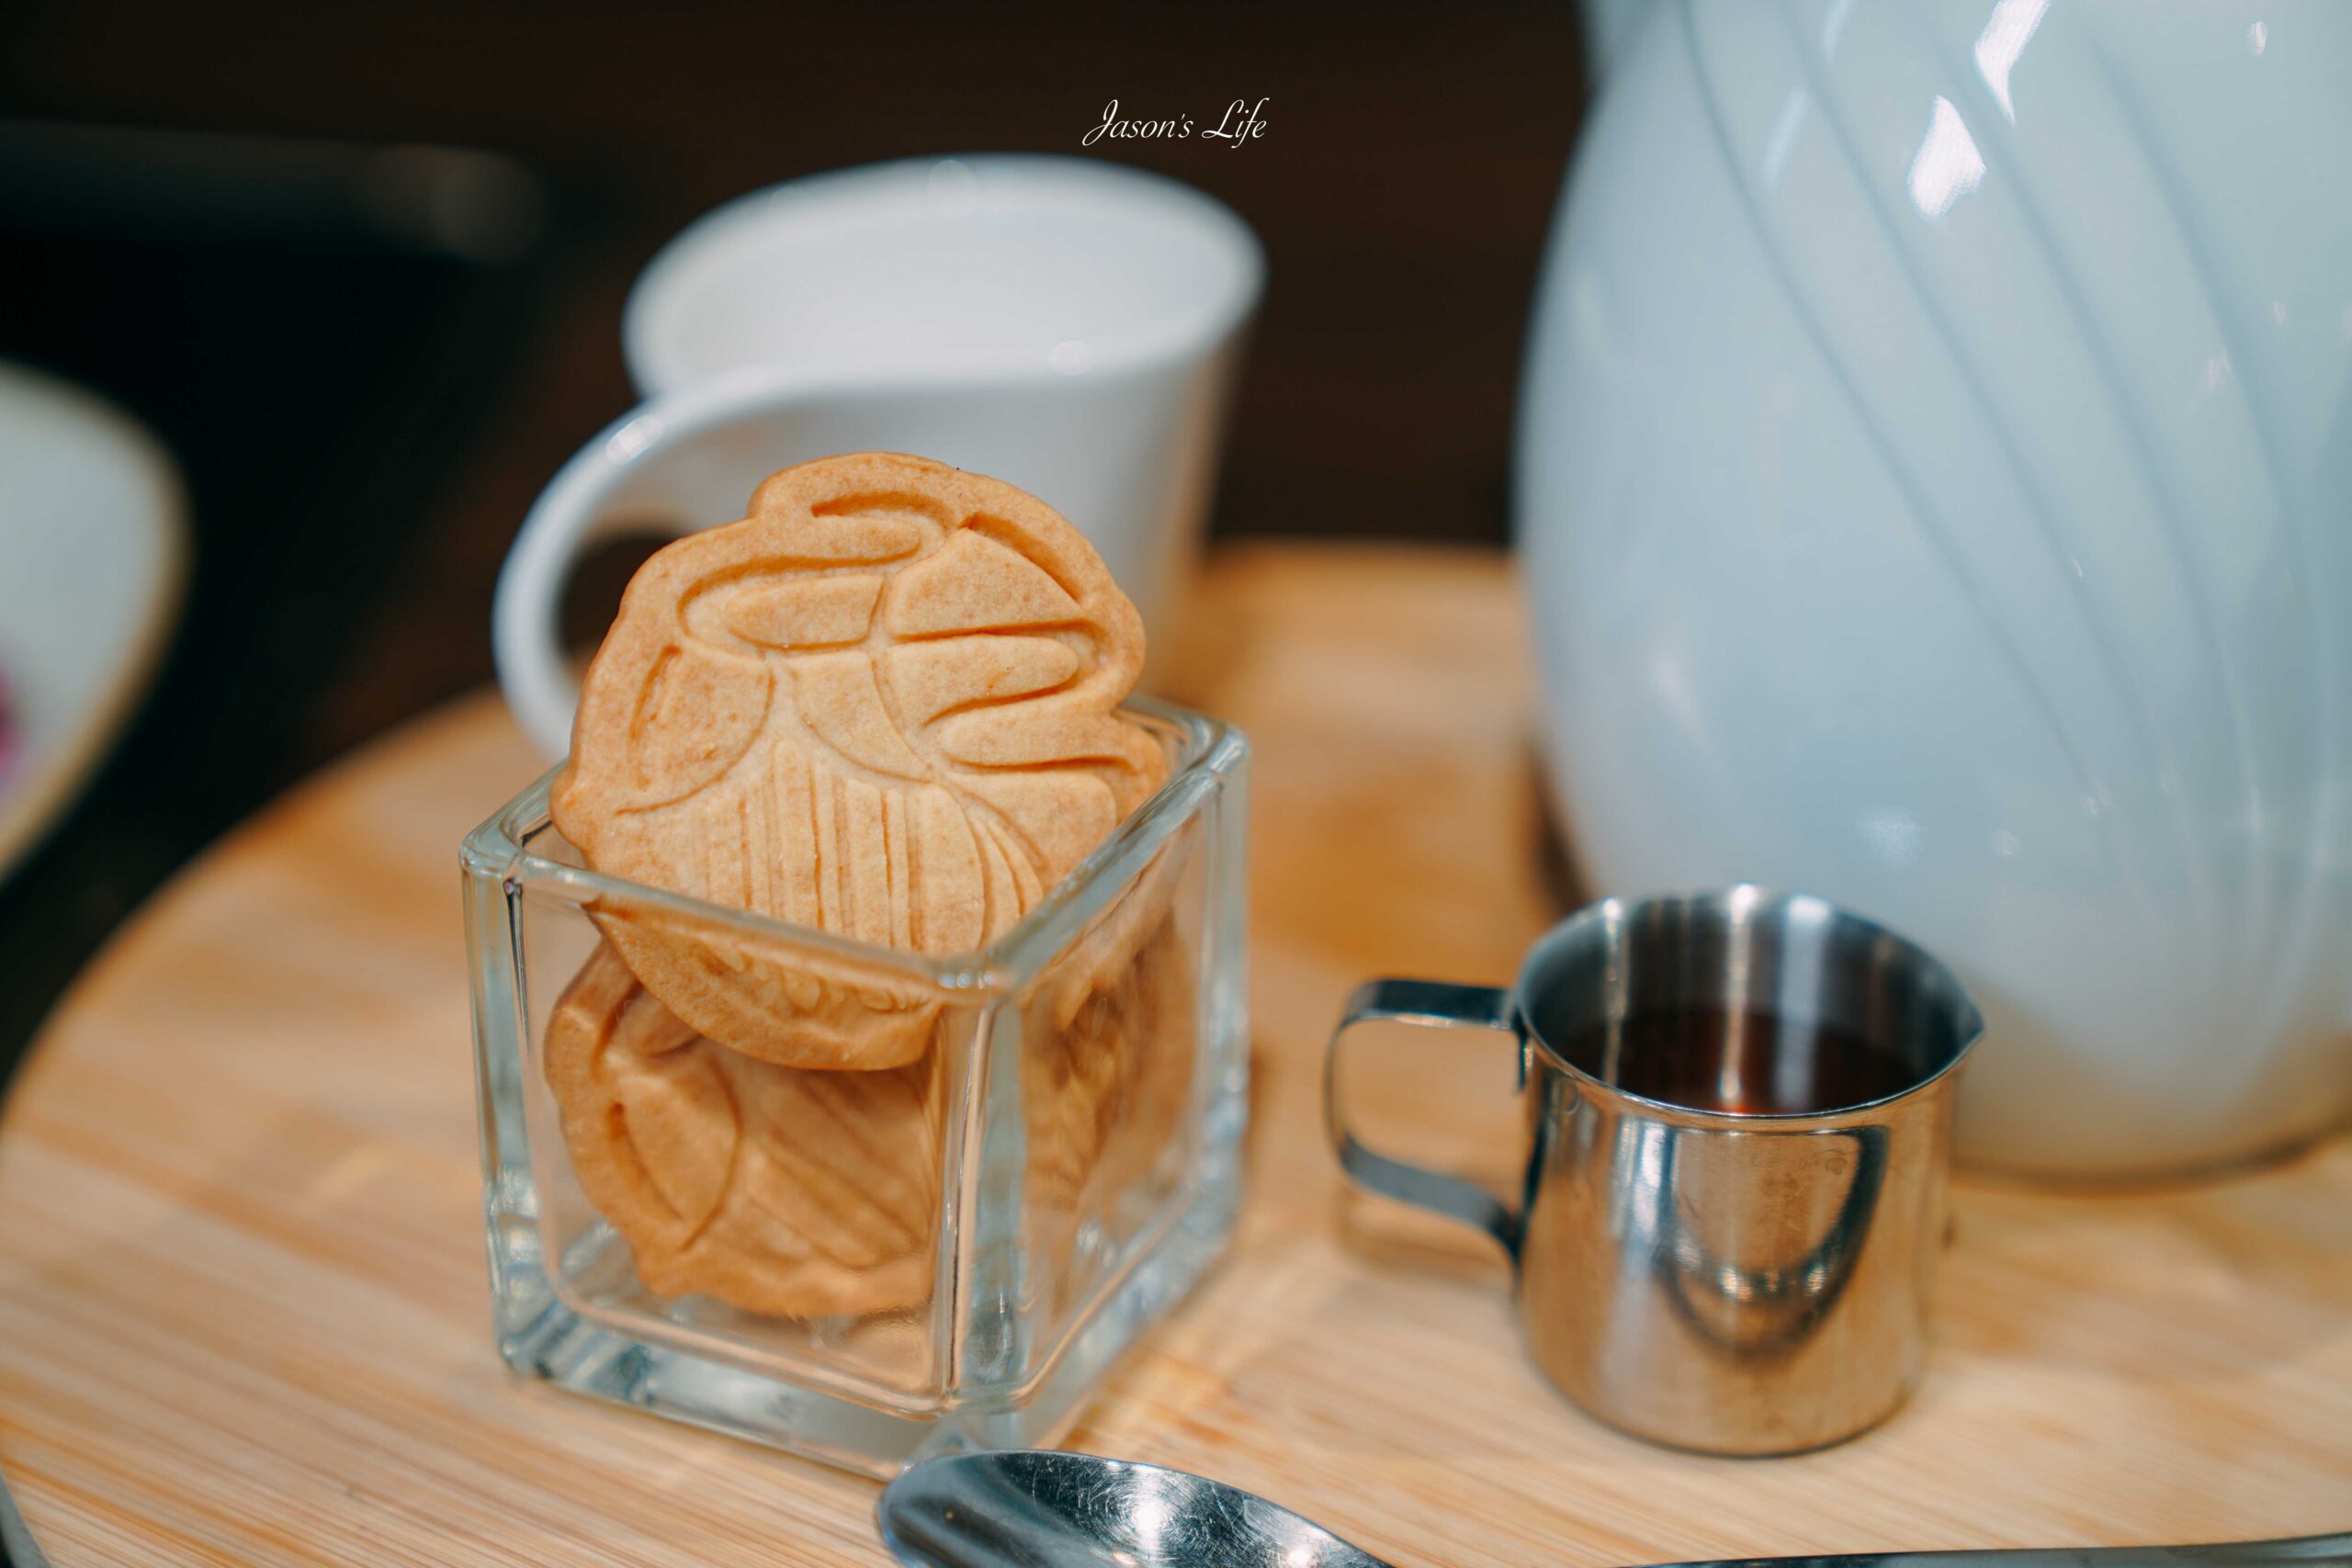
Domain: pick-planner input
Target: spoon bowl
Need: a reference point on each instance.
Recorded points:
(1038, 1508)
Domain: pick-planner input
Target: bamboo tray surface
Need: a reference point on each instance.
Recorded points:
(244, 1315)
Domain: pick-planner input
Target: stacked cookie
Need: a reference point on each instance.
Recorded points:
(884, 706)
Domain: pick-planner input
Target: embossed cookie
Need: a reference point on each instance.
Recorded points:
(884, 704)
(1105, 1084)
(799, 1193)
(806, 1192)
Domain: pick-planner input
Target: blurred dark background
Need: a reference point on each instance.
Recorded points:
(361, 266)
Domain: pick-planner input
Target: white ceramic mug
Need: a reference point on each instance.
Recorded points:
(1070, 326)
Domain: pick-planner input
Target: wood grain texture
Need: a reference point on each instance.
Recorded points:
(244, 1316)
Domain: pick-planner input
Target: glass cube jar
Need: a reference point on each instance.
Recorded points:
(864, 1266)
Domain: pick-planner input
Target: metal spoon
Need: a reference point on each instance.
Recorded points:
(1036, 1508)
(16, 1548)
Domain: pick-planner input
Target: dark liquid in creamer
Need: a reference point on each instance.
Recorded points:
(1750, 1063)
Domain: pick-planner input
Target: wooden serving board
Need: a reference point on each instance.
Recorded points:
(243, 1315)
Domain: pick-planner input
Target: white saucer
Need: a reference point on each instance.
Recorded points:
(93, 559)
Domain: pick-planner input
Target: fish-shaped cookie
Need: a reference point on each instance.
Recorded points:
(884, 704)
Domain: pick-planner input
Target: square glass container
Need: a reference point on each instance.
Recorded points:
(867, 1267)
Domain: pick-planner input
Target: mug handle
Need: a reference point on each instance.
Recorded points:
(1430, 1002)
(681, 462)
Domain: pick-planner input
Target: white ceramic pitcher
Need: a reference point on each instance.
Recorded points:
(1936, 493)
(1067, 325)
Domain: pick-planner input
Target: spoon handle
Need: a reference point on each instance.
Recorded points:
(2323, 1550)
